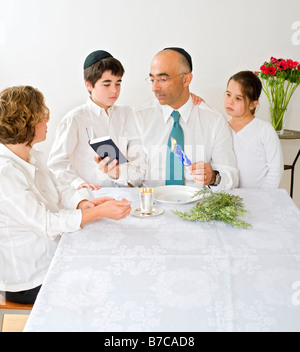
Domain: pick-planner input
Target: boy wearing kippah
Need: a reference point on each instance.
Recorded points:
(72, 159)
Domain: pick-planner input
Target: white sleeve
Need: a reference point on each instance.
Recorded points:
(59, 162)
(134, 171)
(19, 202)
(69, 197)
(274, 158)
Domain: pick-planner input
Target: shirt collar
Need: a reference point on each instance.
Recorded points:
(29, 167)
(184, 111)
(97, 110)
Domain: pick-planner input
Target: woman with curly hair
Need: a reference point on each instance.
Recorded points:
(35, 208)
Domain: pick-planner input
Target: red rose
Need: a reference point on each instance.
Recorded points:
(292, 64)
(263, 68)
(272, 70)
(282, 65)
(268, 70)
(273, 60)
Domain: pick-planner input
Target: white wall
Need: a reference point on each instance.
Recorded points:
(44, 43)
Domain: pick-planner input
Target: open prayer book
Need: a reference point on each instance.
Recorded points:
(105, 146)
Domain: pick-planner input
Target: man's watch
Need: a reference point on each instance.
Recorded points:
(218, 178)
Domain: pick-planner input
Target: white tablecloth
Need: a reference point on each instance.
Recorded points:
(166, 274)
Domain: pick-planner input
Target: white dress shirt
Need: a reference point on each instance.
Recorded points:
(71, 158)
(31, 219)
(259, 155)
(206, 138)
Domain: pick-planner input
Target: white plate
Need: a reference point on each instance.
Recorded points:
(176, 194)
(155, 212)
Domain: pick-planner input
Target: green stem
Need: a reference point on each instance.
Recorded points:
(279, 95)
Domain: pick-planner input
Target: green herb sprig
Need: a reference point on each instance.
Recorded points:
(216, 207)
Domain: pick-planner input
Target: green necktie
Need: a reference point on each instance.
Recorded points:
(175, 169)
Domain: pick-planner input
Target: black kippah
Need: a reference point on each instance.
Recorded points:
(184, 53)
(94, 57)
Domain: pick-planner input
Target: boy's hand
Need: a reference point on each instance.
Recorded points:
(91, 186)
(112, 169)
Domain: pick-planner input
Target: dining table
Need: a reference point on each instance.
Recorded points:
(165, 274)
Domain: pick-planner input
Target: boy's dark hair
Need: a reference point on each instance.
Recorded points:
(251, 85)
(93, 73)
(22, 108)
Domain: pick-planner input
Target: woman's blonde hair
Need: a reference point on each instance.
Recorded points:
(21, 109)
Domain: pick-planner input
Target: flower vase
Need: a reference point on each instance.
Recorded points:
(278, 118)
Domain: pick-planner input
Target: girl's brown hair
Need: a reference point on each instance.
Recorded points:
(21, 109)
(251, 85)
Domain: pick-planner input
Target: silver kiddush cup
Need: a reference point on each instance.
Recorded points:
(146, 200)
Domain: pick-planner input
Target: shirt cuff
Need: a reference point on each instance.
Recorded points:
(77, 182)
(72, 220)
(80, 195)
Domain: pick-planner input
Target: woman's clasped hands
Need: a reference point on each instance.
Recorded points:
(104, 207)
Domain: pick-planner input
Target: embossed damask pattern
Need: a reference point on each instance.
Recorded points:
(166, 274)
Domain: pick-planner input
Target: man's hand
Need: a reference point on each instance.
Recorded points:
(112, 169)
(203, 173)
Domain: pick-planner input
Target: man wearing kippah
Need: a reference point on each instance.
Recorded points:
(201, 132)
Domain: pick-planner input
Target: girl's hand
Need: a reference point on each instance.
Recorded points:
(197, 100)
